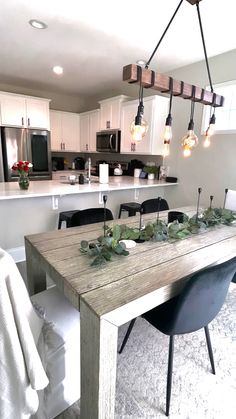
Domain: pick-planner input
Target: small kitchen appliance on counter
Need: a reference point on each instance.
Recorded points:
(57, 163)
(79, 163)
(118, 170)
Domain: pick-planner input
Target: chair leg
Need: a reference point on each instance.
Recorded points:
(120, 212)
(59, 224)
(169, 374)
(131, 325)
(209, 347)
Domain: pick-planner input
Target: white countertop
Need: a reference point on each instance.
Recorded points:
(11, 190)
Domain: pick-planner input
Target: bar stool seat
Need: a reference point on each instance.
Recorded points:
(66, 216)
(130, 207)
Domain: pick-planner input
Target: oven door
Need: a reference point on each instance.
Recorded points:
(39, 152)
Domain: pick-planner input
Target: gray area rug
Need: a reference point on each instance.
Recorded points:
(196, 393)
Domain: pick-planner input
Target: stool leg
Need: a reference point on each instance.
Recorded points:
(169, 374)
(120, 212)
(59, 224)
(131, 325)
(209, 347)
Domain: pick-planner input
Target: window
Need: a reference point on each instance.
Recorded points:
(226, 115)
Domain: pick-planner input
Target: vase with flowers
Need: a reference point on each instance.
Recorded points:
(22, 167)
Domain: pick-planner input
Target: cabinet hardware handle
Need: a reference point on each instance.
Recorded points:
(28, 122)
(22, 121)
(64, 146)
(61, 147)
(134, 147)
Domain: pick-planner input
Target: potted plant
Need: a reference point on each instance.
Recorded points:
(151, 171)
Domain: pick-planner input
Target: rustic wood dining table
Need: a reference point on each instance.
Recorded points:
(111, 295)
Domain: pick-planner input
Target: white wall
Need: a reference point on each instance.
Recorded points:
(213, 169)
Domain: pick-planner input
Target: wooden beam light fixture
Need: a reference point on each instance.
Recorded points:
(149, 79)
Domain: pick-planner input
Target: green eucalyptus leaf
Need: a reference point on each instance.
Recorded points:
(84, 244)
(116, 232)
(125, 253)
(119, 249)
(134, 234)
(99, 260)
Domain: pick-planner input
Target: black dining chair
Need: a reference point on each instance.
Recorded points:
(194, 308)
(148, 206)
(154, 205)
(90, 216)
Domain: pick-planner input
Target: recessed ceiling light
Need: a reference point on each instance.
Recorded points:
(57, 69)
(141, 62)
(37, 24)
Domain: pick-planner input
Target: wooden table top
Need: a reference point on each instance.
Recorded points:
(149, 266)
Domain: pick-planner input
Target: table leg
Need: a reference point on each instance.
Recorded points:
(98, 365)
(36, 276)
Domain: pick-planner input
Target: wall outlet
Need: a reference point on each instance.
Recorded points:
(100, 197)
(55, 202)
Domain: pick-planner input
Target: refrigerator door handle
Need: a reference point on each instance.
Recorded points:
(27, 146)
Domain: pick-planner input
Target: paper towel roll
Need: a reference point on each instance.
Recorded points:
(103, 173)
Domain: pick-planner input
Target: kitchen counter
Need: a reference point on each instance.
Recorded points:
(37, 209)
(11, 190)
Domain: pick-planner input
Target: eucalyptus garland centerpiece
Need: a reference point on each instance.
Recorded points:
(109, 244)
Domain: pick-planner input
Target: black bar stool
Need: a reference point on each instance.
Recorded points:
(66, 216)
(130, 207)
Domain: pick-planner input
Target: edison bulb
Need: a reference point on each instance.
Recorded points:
(166, 149)
(187, 151)
(207, 141)
(138, 132)
(190, 140)
(168, 133)
(210, 130)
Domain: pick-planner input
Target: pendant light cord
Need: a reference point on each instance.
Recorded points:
(166, 29)
(204, 45)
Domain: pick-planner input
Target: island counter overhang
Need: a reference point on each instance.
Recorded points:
(36, 210)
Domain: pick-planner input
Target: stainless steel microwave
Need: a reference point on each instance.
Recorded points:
(108, 141)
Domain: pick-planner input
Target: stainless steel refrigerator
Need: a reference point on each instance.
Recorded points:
(32, 145)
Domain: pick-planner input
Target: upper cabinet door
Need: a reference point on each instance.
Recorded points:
(89, 126)
(84, 132)
(94, 120)
(110, 112)
(37, 111)
(13, 110)
(106, 115)
(24, 111)
(56, 130)
(155, 113)
(64, 131)
(70, 131)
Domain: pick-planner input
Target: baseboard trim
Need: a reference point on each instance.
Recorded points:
(18, 253)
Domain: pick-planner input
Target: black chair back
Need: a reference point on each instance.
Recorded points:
(151, 205)
(202, 298)
(90, 216)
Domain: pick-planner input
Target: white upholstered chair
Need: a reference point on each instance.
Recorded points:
(39, 349)
(230, 202)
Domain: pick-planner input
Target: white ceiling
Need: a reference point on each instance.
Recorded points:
(94, 39)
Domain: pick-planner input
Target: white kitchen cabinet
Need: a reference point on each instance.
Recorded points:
(110, 112)
(89, 125)
(64, 131)
(24, 111)
(155, 113)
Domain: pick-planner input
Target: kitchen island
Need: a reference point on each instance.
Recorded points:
(36, 210)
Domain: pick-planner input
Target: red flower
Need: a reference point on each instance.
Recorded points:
(22, 167)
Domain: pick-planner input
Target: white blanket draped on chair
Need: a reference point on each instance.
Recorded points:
(21, 369)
